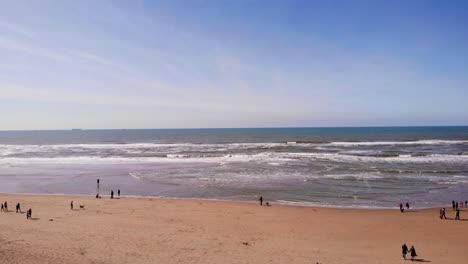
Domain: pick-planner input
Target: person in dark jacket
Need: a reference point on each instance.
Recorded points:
(404, 251)
(413, 253)
(112, 194)
(18, 208)
(261, 200)
(407, 206)
(457, 215)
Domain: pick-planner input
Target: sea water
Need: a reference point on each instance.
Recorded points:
(340, 167)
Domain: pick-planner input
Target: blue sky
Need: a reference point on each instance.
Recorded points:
(176, 64)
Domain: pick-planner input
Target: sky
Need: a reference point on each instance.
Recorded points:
(198, 64)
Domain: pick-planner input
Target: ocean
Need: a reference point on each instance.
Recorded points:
(365, 167)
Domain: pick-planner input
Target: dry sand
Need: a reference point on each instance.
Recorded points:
(144, 230)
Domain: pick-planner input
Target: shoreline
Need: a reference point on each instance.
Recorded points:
(273, 203)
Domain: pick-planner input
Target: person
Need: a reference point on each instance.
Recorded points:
(29, 214)
(112, 194)
(453, 204)
(6, 206)
(407, 206)
(413, 253)
(2, 207)
(466, 203)
(71, 205)
(261, 200)
(118, 193)
(404, 251)
(18, 208)
(457, 215)
(443, 214)
(456, 206)
(401, 208)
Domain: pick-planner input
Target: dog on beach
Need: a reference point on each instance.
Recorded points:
(81, 206)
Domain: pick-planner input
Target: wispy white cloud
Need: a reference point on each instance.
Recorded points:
(25, 47)
(17, 29)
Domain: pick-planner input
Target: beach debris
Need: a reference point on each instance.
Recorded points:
(51, 219)
(246, 243)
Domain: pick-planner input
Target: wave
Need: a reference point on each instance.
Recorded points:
(266, 157)
(415, 142)
(240, 145)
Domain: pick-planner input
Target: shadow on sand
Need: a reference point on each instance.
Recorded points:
(421, 260)
(453, 219)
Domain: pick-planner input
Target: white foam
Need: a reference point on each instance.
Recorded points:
(417, 142)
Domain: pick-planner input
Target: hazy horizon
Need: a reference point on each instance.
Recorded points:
(232, 64)
(214, 128)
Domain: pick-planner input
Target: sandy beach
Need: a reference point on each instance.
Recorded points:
(153, 230)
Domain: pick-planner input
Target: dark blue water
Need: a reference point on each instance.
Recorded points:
(237, 135)
(356, 167)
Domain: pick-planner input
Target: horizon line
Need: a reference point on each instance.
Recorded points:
(214, 128)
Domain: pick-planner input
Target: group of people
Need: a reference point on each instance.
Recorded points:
(455, 205)
(412, 251)
(112, 193)
(443, 216)
(4, 208)
(403, 209)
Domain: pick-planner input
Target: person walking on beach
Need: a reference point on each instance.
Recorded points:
(118, 192)
(18, 208)
(413, 253)
(404, 251)
(407, 206)
(71, 205)
(401, 208)
(112, 194)
(457, 215)
(2, 207)
(29, 214)
(453, 205)
(261, 200)
(5, 206)
(443, 214)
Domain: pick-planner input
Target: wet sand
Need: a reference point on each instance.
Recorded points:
(152, 230)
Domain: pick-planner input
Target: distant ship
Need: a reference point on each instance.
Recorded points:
(76, 129)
